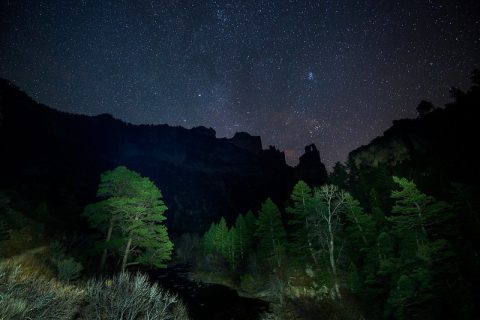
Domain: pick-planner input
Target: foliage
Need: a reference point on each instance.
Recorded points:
(362, 226)
(328, 206)
(243, 238)
(415, 210)
(230, 244)
(68, 269)
(126, 297)
(300, 201)
(131, 297)
(415, 215)
(271, 233)
(397, 253)
(132, 209)
(4, 230)
(56, 251)
(35, 298)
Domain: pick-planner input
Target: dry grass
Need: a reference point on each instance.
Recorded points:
(27, 295)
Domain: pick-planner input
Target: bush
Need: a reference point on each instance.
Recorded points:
(56, 251)
(68, 269)
(4, 230)
(35, 298)
(131, 297)
(125, 297)
(250, 283)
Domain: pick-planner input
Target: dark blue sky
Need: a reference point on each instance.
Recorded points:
(335, 73)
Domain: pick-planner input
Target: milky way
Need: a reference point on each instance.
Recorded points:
(335, 73)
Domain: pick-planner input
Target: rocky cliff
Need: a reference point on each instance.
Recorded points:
(56, 157)
(440, 146)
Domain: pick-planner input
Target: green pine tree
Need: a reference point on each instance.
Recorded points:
(106, 214)
(148, 240)
(232, 250)
(362, 226)
(208, 240)
(244, 237)
(133, 208)
(270, 233)
(300, 244)
(414, 211)
(415, 220)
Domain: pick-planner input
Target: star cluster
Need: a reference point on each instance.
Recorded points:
(334, 73)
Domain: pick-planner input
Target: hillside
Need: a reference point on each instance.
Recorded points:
(56, 158)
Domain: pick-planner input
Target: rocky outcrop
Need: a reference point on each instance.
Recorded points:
(438, 147)
(310, 168)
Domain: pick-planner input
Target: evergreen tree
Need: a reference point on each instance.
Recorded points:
(362, 226)
(221, 238)
(415, 224)
(141, 224)
(300, 199)
(415, 210)
(105, 214)
(208, 240)
(232, 250)
(133, 206)
(244, 237)
(270, 233)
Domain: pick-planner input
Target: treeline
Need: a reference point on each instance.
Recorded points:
(393, 262)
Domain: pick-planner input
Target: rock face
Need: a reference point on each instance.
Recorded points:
(51, 156)
(439, 147)
(310, 168)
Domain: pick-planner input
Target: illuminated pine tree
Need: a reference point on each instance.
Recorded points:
(414, 211)
(133, 209)
(105, 214)
(270, 233)
(298, 218)
(362, 226)
(243, 238)
(142, 225)
(231, 248)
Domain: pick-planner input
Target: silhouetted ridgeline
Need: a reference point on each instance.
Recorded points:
(52, 156)
(436, 148)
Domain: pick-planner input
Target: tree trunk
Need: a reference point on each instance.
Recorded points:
(125, 255)
(334, 268)
(105, 251)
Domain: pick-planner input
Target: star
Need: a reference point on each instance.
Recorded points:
(256, 66)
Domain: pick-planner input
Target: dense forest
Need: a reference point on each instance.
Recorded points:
(94, 211)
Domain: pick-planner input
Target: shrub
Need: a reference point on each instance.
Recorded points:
(131, 297)
(56, 251)
(23, 297)
(250, 283)
(68, 269)
(4, 230)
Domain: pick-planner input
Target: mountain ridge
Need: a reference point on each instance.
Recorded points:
(51, 152)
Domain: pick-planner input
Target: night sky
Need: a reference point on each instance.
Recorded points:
(335, 73)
